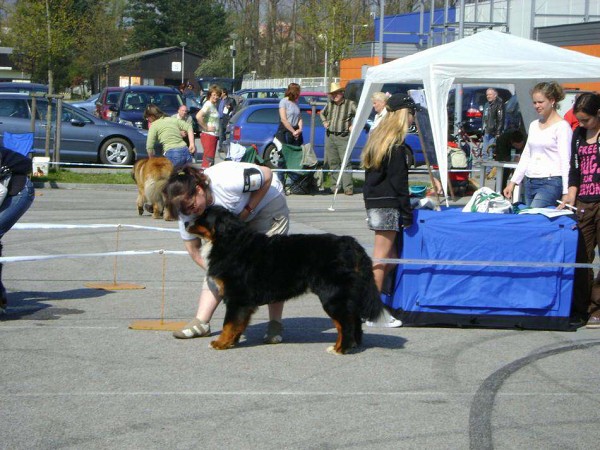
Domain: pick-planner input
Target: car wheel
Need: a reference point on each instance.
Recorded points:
(410, 157)
(116, 151)
(271, 156)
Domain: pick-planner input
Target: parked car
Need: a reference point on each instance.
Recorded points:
(24, 88)
(129, 109)
(108, 97)
(354, 88)
(88, 105)
(257, 124)
(473, 100)
(257, 93)
(273, 101)
(84, 137)
(312, 96)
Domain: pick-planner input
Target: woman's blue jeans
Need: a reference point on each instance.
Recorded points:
(179, 157)
(542, 192)
(15, 206)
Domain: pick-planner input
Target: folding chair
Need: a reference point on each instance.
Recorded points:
(297, 158)
(18, 142)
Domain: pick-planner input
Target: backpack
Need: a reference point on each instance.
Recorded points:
(457, 158)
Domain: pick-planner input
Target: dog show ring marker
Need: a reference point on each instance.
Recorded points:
(158, 325)
(114, 286)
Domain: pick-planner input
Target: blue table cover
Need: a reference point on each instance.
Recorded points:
(485, 294)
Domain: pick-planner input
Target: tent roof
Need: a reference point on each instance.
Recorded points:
(490, 56)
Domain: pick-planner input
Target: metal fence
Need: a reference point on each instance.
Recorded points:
(319, 84)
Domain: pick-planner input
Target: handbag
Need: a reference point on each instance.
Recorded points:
(485, 200)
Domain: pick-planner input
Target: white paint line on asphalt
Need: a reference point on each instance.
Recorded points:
(287, 394)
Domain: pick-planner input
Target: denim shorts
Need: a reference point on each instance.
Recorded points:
(383, 219)
(542, 192)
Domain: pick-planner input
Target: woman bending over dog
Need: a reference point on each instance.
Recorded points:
(386, 188)
(245, 189)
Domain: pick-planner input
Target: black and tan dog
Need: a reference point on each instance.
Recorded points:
(252, 269)
(151, 175)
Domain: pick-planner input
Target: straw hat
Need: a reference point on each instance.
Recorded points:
(335, 87)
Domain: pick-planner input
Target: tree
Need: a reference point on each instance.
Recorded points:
(50, 41)
(102, 38)
(164, 23)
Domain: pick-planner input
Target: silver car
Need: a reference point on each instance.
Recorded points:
(84, 137)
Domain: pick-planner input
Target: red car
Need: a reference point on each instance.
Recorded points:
(108, 97)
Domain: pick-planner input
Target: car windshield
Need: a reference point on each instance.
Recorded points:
(166, 101)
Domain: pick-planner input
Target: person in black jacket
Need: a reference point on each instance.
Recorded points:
(385, 190)
(18, 199)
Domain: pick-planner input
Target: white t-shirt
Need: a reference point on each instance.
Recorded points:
(228, 184)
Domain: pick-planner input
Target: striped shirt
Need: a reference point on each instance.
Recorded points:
(340, 116)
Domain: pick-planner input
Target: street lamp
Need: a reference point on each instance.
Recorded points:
(354, 27)
(326, 59)
(183, 44)
(233, 37)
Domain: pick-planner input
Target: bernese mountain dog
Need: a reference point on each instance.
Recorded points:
(252, 269)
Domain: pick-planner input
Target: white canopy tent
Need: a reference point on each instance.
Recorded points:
(488, 57)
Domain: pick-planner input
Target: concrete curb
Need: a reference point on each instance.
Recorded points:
(99, 187)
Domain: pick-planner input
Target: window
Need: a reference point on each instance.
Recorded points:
(112, 97)
(67, 115)
(14, 107)
(270, 115)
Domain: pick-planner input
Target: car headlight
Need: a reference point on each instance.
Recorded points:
(126, 122)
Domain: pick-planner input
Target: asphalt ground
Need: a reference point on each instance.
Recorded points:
(73, 375)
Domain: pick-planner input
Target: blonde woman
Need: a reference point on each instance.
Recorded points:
(385, 190)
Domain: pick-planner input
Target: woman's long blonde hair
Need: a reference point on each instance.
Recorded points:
(391, 130)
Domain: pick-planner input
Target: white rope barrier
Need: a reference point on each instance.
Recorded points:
(425, 262)
(90, 255)
(53, 226)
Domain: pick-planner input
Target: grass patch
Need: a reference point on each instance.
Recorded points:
(67, 176)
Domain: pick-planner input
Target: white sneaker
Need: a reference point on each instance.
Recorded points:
(385, 320)
(391, 323)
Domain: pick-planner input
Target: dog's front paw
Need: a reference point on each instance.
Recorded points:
(140, 210)
(331, 349)
(219, 345)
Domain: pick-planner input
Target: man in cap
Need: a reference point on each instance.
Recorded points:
(337, 117)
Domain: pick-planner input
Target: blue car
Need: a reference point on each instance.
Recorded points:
(257, 124)
(129, 109)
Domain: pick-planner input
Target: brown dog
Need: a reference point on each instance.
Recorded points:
(151, 175)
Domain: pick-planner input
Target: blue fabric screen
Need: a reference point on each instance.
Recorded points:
(486, 289)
